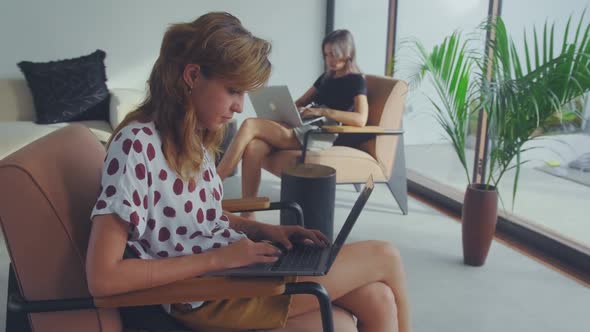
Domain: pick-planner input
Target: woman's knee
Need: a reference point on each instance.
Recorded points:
(378, 298)
(250, 126)
(256, 149)
(385, 251)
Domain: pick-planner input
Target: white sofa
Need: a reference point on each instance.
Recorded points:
(17, 115)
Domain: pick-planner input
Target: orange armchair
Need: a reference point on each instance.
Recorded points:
(47, 190)
(382, 156)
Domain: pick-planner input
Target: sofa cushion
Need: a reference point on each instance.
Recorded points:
(15, 135)
(68, 90)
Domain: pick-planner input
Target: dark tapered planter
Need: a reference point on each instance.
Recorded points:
(480, 213)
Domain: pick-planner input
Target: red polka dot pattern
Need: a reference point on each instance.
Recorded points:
(134, 218)
(151, 223)
(200, 216)
(169, 212)
(145, 244)
(177, 187)
(188, 206)
(163, 175)
(110, 191)
(140, 171)
(136, 198)
(163, 234)
(151, 152)
(127, 145)
(207, 175)
(113, 166)
(165, 219)
(195, 234)
(137, 146)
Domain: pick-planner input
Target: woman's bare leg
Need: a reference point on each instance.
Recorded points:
(373, 305)
(254, 153)
(358, 265)
(271, 132)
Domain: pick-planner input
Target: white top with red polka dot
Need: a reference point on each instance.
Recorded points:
(166, 215)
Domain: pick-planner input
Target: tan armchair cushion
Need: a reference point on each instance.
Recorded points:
(345, 160)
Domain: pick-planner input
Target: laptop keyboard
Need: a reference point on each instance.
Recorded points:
(302, 258)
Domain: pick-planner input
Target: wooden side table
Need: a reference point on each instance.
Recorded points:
(313, 187)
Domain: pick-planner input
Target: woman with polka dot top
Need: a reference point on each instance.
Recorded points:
(161, 196)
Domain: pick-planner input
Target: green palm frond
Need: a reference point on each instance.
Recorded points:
(449, 67)
(524, 89)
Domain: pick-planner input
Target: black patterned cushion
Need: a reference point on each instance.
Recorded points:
(69, 90)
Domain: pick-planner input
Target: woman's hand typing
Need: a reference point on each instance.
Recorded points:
(245, 252)
(309, 112)
(286, 235)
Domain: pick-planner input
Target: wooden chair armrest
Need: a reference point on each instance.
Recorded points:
(196, 289)
(241, 204)
(353, 129)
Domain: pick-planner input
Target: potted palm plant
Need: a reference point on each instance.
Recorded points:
(517, 92)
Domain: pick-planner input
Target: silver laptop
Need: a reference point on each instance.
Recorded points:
(305, 260)
(275, 103)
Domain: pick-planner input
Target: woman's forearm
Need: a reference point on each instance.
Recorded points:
(108, 273)
(347, 118)
(247, 226)
(138, 274)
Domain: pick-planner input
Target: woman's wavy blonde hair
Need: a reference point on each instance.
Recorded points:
(225, 50)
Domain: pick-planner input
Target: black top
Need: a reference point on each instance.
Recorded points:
(338, 93)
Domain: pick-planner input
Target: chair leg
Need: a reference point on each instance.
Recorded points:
(357, 187)
(15, 321)
(398, 181)
(320, 292)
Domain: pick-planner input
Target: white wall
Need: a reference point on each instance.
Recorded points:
(130, 32)
(367, 21)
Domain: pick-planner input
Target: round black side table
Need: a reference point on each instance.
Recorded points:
(313, 187)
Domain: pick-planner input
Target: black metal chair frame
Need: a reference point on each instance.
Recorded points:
(17, 307)
(397, 182)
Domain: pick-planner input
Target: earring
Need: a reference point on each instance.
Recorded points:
(190, 90)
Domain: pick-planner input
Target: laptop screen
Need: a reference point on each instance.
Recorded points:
(352, 217)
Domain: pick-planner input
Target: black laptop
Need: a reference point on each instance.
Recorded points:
(305, 260)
